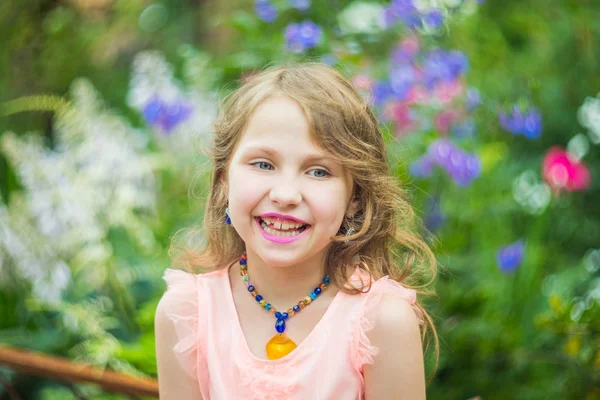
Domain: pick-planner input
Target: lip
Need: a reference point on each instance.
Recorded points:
(278, 239)
(283, 216)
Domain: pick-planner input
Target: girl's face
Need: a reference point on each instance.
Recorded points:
(287, 197)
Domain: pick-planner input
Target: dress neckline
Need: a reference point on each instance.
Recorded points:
(300, 347)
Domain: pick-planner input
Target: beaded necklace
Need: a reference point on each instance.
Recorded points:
(280, 344)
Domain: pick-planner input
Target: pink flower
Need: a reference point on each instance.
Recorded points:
(445, 92)
(562, 172)
(402, 116)
(417, 95)
(362, 81)
(444, 119)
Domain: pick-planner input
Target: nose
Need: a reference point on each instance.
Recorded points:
(285, 193)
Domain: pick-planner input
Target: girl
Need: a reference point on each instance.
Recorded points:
(307, 239)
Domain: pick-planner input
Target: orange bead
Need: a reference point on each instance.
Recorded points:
(253, 293)
(291, 311)
(301, 304)
(273, 310)
(323, 286)
(307, 300)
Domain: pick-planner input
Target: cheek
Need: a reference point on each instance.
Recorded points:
(244, 190)
(329, 207)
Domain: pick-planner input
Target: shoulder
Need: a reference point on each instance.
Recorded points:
(398, 367)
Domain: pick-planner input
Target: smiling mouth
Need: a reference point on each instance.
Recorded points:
(281, 228)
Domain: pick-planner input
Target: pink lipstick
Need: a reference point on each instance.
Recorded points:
(280, 239)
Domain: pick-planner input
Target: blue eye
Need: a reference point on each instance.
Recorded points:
(263, 165)
(320, 173)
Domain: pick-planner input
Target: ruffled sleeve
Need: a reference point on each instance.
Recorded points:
(182, 300)
(364, 321)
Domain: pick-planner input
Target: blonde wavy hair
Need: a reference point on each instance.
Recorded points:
(387, 239)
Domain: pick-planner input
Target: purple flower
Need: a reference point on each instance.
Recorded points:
(402, 80)
(434, 19)
(403, 11)
(300, 4)
(381, 92)
(532, 125)
(465, 128)
(265, 10)
(302, 36)
(434, 219)
(518, 122)
(510, 257)
(473, 98)
(441, 66)
(422, 168)
(463, 167)
(166, 117)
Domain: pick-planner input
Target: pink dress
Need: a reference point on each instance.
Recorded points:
(327, 364)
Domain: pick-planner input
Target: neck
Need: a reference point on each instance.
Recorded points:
(284, 286)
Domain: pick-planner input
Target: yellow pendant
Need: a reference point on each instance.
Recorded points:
(279, 346)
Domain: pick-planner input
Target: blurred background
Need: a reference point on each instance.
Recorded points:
(492, 119)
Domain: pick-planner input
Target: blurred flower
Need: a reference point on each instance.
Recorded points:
(434, 219)
(164, 116)
(445, 92)
(402, 11)
(362, 81)
(443, 66)
(381, 91)
(464, 128)
(302, 36)
(403, 117)
(444, 119)
(589, 116)
(473, 98)
(463, 167)
(265, 10)
(510, 257)
(531, 193)
(402, 79)
(561, 172)
(520, 122)
(300, 4)
(361, 17)
(406, 50)
(434, 19)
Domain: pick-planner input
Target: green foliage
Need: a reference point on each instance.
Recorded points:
(532, 333)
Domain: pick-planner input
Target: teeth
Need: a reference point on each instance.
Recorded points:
(279, 224)
(278, 233)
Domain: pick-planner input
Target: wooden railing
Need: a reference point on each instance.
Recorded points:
(69, 372)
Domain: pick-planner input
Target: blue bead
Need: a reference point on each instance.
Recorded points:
(318, 291)
(313, 296)
(280, 325)
(296, 308)
(243, 262)
(268, 306)
(227, 220)
(278, 315)
(251, 288)
(258, 298)
(326, 280)
(284, 316)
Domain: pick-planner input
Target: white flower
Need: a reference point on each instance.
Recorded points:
(359, 17)
(589, 116)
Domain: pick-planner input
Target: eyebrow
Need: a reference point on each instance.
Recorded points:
(273, 153)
